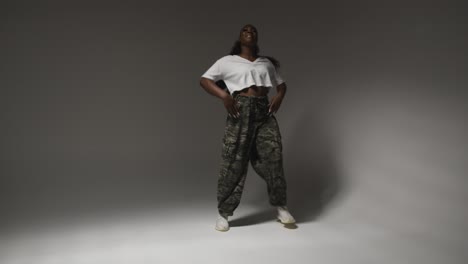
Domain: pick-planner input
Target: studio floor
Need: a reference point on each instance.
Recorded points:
(187, 235)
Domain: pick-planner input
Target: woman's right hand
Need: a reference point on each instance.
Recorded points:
(231, 106)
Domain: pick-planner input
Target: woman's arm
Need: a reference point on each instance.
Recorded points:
(213, 89)
(228, 101)
(281, 89)
(276, 100)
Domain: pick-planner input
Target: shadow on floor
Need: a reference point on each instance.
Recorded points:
(254, 218)
(311, 170)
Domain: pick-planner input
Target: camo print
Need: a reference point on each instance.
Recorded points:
(254, 137)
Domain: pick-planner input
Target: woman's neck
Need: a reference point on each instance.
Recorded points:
(247, 52)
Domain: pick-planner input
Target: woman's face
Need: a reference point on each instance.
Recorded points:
(248, 35)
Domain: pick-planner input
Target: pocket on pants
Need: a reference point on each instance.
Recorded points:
(228, 148)
(263, 104)
(278, 132)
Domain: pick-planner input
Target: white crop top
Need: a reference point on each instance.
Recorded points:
(239, 73)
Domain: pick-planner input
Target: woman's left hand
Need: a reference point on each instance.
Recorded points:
(275, 103)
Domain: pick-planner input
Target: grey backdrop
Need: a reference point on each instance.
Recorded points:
(102, 112)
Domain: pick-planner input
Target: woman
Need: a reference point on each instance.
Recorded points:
(252, 132)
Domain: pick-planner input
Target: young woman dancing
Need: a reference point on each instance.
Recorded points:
(252, 132)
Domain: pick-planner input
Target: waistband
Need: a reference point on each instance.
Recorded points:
(249, 97)
(255, 102)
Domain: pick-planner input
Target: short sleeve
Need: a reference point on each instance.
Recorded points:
(214, 72)
(279, 80)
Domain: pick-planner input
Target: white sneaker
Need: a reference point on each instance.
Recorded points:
(222, 223)
(284, 216)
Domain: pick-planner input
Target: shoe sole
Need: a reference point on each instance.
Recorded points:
(288, 225)
(283, 222)
(222, 230)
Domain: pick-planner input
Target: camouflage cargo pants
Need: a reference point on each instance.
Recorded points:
(254, 137)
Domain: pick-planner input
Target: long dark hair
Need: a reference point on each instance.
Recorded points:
(236, 50)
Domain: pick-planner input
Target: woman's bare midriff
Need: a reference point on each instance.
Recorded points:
(254, 91)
